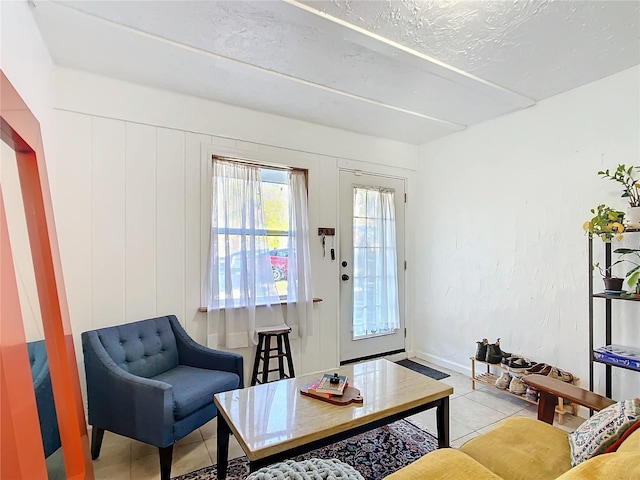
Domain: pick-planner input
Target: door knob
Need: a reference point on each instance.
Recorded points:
(345, 277)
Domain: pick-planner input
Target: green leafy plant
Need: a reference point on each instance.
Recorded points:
(606, 223)
(605, 272)
(630, 185)
(632, 256)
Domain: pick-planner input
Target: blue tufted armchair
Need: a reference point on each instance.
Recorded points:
(148, 380)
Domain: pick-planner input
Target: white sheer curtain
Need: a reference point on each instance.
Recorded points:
(375, 283)
(239, 273)
(299, 295)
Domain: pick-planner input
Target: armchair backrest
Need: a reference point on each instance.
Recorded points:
(44, 396)
(145, 348)
(38, 360)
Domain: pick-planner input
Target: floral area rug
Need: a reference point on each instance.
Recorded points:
(375, 454)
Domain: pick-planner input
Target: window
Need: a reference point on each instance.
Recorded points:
(375, 282)
(259, 248)
(258, 252)
(252, 236)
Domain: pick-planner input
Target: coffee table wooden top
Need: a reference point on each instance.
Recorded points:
(274, 417)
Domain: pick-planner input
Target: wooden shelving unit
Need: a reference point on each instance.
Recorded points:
(489, 377)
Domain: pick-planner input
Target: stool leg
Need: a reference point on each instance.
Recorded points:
(256, 362)
(267, 358)
(289, 359)
(280, 357)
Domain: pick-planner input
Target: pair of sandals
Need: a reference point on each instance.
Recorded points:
(550, 371)
(517, 363)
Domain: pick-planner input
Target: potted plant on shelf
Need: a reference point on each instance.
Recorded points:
(630, 189)
(631, 255)
(606, 223)
(611, 283)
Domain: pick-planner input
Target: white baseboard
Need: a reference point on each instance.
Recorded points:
(443, 362)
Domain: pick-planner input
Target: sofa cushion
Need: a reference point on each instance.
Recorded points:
(609, 466)
(444, 464)
(522, 448)
(599, 433)
(145, 348)
(193, 388)
(631, 443)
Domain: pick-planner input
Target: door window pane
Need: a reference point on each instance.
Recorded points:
(375, 286)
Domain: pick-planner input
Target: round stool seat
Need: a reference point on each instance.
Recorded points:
(312, 469)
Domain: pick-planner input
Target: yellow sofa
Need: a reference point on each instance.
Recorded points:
(522, 448)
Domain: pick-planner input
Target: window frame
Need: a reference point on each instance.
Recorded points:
(276, 159)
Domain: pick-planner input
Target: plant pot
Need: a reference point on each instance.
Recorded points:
(633, 216)
(613, 283)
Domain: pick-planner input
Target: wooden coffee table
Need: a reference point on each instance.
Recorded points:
(273, 421)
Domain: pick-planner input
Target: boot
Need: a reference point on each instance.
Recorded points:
(494, 354)
(481, 351)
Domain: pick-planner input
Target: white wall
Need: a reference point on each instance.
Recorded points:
(25, 60)
(502, 208)
(128, 202)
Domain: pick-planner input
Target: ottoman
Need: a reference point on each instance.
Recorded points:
(312, 469)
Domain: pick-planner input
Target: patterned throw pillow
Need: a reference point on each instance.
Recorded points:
(601, 432)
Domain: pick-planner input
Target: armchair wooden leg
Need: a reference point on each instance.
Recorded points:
(166, 456)
(96, 441)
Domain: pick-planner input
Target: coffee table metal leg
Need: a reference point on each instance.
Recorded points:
(223, 447)
(442, 422)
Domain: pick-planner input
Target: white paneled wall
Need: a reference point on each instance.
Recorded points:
(130, 224)
(107, 219)
(140, 220)
(195, 237)
(170, 221)
(132, 212)
(73, 213)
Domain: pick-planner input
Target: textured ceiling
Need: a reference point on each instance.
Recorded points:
(410, 70)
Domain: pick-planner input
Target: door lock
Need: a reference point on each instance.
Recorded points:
(345, 277)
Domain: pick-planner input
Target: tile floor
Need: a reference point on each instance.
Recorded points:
(472, 412)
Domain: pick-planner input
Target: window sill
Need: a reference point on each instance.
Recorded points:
(315, 300)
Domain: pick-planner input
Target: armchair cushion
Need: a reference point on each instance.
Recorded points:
(601, 432)
(193, 388)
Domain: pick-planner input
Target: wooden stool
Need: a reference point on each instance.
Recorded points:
(265, 352)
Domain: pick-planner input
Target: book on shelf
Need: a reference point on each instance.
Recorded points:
(326, 387)
(619, 355)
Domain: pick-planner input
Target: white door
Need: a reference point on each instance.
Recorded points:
(371, 256)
